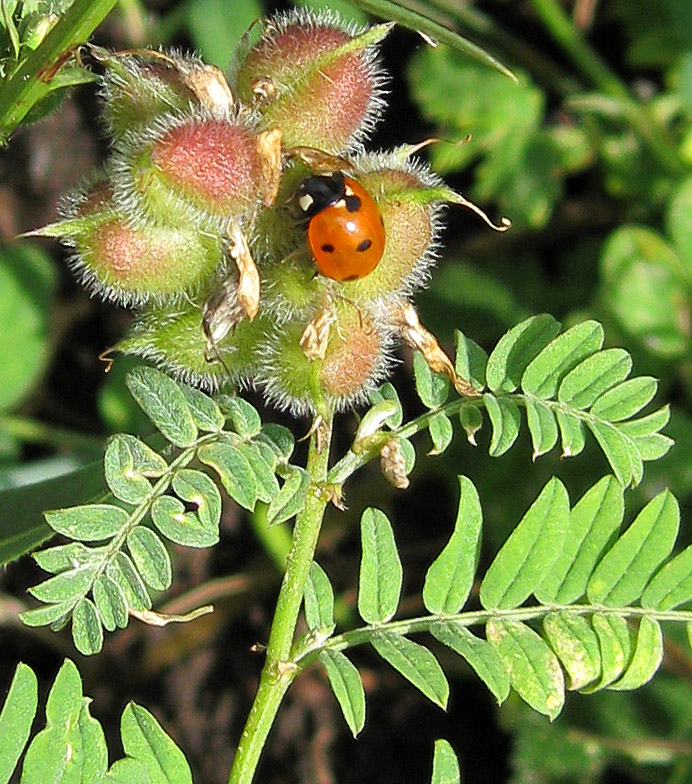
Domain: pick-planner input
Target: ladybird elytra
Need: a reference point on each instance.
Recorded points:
(345, 231)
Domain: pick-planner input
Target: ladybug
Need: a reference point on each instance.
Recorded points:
(345, 230)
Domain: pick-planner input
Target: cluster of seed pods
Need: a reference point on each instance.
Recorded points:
(242, 220)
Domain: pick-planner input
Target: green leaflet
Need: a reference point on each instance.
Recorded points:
(469, 360)
(163, 402)
(445, 764)
(111, 603)
(244, 416)
(521, 565)
(266, 483)
(449, 579)
(416, 663)
(646, 659)
(572, 436)
(545, 371)
(68, 726)
(291, 497)
(441, 432)
(16, 718)
(234, 471)
(347, 686)
(197, 488)
(150, 754)
(187, 528)
(626, 399)
(480, 655)
(515, 350)
(280, 439)
(534, 670)
(593, 523)
(380, 579)
(205, 412)
(127, 464)
(672, 585)
(506, 419)
(542, 427)
(87, 632)
(388, 392)
(596, 374)
(626, 568)
(615, 642)
(319, 600)
(89, 523)
(432, 388)
(122, 571)
(576, 645)
(620, 451)
(150, 557)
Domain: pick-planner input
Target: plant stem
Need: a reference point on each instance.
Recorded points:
(30, 83)
(279, 671)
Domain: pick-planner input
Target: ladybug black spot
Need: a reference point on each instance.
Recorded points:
(364, 245)
(353, 203)
(328, 248)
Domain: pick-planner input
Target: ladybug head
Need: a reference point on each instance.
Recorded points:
(318, 192)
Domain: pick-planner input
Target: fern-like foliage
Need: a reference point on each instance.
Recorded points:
(568, 601)
(117, 554)
(72, 745)
(567, 383)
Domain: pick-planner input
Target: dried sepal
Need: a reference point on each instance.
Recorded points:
(248, 275)
(405, 319)
(393, 463)
(315, 338)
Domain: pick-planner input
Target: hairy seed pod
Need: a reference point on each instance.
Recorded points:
(195, 170)
(128, 264)
(315, 78)
(174, 339)
(356, 356)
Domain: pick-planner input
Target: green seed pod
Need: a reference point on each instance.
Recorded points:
(138, 87)
(316, 78)
(132, 265)
(356, 358)
(196, 170)
(174, 339)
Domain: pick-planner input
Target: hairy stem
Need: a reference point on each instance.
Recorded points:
(279, 671)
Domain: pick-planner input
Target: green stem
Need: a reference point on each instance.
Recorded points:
(279, 671)
(31, 82)
(32, 431)
(654, 135)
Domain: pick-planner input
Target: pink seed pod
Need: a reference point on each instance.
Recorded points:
(356, 357)
(195, 170)
(128, 264)
(316, 78)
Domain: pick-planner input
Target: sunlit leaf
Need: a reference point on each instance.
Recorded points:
(534, 670)
(449, 579)
(379, 585)
(525, 558)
